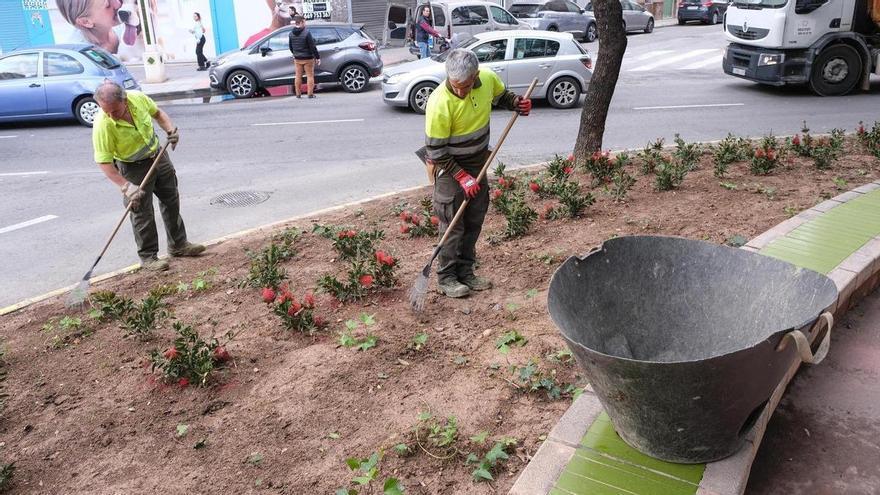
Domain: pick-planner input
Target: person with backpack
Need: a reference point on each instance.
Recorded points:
(423, 29)
(305, 56)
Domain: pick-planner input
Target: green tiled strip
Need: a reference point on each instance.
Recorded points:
(605, 465)
(822, 243)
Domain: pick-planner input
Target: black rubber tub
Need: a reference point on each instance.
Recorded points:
(684, 341)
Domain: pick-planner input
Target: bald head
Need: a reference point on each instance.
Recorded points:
(109, 92)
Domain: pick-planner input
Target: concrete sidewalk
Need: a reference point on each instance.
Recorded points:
(184, 81)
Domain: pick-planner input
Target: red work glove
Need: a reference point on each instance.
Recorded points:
(523, 106)
(468, 183)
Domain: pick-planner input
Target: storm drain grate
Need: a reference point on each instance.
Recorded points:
(239, 199)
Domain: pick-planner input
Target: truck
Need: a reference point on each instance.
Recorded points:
(832, 46)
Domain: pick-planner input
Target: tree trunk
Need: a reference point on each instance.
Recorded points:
(612, 45)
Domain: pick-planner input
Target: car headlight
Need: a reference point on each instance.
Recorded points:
(394, 79)
(218, 62)
(770, 59)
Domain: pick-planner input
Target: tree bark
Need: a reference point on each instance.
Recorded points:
(612, 45)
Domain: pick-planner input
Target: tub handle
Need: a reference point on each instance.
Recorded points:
(803, 345)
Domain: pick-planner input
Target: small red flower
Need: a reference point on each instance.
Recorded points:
(384, 259)
(771, 154)
(759, 153)
(171, 353)
(406, 216)
(861, 130)
(284, 296)
(796, 140)
(417, 220)
(268, 295)
(502, 182)
(183, 382)
(497, 193)
(435, 220)
(319, 321)
(309, 300)
(366, 280)
(293, 309)
(570, 157)
(220, 354)
(404, 229)
(567, 170)
(534, 186)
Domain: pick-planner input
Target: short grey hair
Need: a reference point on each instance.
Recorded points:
(461, 65)
(109, 91)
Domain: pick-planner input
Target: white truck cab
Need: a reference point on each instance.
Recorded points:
(831, 45)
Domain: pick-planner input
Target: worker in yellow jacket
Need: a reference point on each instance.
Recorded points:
(457, 142)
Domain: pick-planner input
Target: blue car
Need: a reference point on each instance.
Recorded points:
(57, 82)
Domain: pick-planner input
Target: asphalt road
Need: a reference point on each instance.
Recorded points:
(56, 209)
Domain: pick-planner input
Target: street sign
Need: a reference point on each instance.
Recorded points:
(316, 9)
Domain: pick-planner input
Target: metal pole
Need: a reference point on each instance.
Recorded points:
(350, 15)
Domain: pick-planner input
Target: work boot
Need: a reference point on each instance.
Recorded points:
(154, 265)
(451, 287)
(474, 282)
(189, 249)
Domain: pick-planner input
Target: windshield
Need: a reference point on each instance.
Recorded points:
(441, 57)
(523, 10)
(100, 57)
(760, 4)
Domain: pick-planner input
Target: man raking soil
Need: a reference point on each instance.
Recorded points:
(457, 145)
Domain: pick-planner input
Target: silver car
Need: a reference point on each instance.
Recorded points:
(635, 17)
(556, 15)
(562, 66)
(349, 56)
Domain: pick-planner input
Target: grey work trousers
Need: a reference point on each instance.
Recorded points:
(459, 254)
(143, 220)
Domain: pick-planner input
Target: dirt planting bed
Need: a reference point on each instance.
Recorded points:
(85, 414)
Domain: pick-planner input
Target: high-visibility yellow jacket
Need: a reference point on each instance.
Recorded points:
(119, 140)
(457, 129)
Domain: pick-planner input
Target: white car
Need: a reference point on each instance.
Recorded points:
(562, 66)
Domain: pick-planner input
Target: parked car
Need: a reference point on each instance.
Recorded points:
(468, 18)
(57, 82)
(349, 56)
(635, 17)
(562, 66)
(707, 11)
(556, 15)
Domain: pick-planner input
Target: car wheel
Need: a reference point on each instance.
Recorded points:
(354, 78)
(591, 33)
(242, 84)
(682, 22)
(85, 110)
(564, 92)
(836, 71)
(418, 97)
(714, 19)
(650, 26)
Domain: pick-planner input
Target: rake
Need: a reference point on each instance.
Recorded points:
(79, 293)
(420, 286)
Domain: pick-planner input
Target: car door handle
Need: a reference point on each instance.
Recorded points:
(498, 69)
(34, 85)
(336, 49)
(545, 66)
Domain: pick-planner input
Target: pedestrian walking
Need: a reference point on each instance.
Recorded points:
(424, 29)
(305, 56)
(198, 30)
(457, 143)
(125, 145)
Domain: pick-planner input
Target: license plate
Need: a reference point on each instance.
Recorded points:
(129, 83)
(739, 72)
(692, 7)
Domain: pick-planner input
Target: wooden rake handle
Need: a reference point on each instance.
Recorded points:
(485, 168)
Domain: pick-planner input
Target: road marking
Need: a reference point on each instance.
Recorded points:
(672, 60)
(712, 105)
(645, 56)
(22, 225)
(716, 60)
(310, 122)
(8, 137)
(19, 174)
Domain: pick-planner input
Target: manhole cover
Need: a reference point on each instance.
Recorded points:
(238, 199)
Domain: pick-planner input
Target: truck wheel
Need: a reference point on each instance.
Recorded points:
(418, 98)
(836, 71)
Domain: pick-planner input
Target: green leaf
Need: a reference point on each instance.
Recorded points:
(182, 430)
(182, 287)
(345, 491)
(96, 314)
(401, 449)
(480, 438)
(255, 458)
(351, 324)
(532, 293)
(392, 486)
(368, 320)
(346, 340)
(199, 284)
(424, 416)
(504, 349)
(353, 463)
(333, 435)
(371, 462)
(481, 474)
(471, 458)
(362, 480)
(368, 343)
(496, 453)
